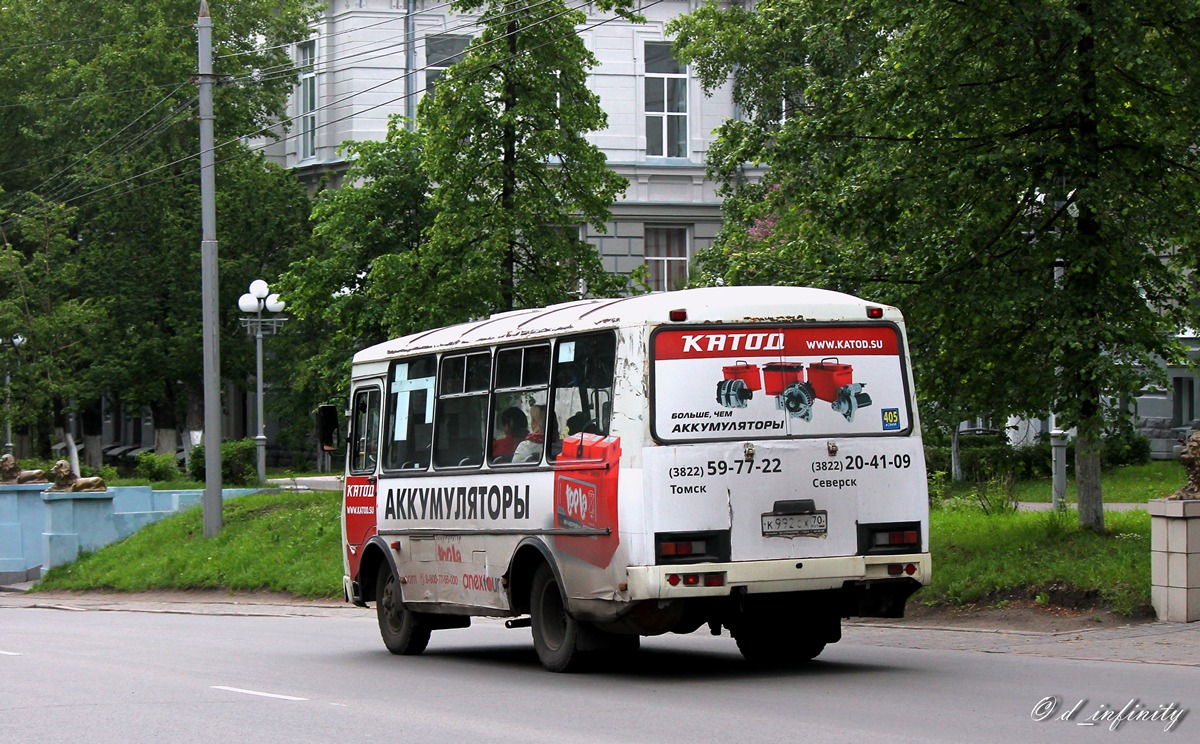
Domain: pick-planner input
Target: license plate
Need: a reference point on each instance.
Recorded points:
(815, 523)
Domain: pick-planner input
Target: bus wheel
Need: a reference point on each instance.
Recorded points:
(402, 629)
(555, 632)
(764, 646)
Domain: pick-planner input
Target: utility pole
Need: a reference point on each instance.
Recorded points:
(211, 503)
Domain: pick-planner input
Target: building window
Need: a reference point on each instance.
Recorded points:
(440, 53)
(666, 250)
(306, 57)
(666, 102)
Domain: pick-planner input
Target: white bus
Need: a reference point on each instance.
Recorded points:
(743, 458)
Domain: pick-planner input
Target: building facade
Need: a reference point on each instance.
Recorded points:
(368, 60)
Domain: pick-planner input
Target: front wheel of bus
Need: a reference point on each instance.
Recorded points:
(402, 629)
(555, 632)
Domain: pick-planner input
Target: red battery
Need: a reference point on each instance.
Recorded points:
(778, 375)
(747, 373)
(826, 377)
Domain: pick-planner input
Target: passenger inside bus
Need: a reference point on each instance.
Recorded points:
(515, 427)
(530, 449)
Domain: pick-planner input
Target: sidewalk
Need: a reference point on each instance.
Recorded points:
(310, 483)
(1177, 644)
(1047, 506)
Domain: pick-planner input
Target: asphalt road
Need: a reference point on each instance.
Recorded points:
(128, 669)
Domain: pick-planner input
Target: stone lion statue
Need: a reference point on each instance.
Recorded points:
(11, 472)
(1190, 457)
(66, 480)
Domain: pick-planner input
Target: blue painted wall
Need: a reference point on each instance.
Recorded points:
(41, 529)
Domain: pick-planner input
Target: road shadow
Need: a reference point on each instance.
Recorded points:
(657, 664)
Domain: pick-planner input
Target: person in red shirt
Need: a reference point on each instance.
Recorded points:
(515, 426)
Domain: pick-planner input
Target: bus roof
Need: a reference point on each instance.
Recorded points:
(703, 305)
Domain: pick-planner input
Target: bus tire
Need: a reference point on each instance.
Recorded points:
(767, 653)
(555, 632)
(404, 632)
(772, 645)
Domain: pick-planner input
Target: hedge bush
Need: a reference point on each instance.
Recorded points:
(981, 462)
(157, 468)
(239, 463)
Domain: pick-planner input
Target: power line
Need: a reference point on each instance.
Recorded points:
(271, 73)
(87, 39)
(270, 129)
(290, 70)
(499, 39)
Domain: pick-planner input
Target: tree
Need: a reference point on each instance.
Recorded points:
(948, 156)
(103, 122)
(514, 176)
(40, 300)
(356, 288)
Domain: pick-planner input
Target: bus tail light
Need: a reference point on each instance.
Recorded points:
(691, 547)
(874, 313)
(889, 537)
(896, 537)
(682, 548)
(895, 569)
(677, 316)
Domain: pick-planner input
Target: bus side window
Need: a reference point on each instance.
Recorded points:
(583, 382)
(409, 414)
(364, 423)
(519, 405)
(462, 410)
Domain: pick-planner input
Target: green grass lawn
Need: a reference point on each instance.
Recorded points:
(1042, 556)
(1133, 484)
(285, 542)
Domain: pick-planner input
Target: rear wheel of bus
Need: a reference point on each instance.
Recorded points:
(404, 632)
(555, 632)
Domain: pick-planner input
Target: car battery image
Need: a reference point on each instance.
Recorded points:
(834, 382)
(777, 376)
(738, 386)
(785, 381)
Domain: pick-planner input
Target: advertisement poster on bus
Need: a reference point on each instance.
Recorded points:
(796, 381)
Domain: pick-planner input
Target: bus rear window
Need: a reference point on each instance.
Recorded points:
(749, 382)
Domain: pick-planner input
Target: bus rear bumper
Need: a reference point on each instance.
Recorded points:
(773, 576)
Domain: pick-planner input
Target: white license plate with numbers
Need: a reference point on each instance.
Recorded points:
(784, 525)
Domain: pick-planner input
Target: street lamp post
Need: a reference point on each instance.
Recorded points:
(259, 298)
(15, 342)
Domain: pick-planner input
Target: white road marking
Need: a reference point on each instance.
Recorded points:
(256, 692)
(9, 653)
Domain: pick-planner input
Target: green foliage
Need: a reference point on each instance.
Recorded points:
(283, 542)
(239, 463)
(100, 204)
(946, 158)
(980, 459)
(995, 495)
(357, 288)
(514, 175)
(156, 467)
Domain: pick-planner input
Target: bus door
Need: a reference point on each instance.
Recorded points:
(358, 506)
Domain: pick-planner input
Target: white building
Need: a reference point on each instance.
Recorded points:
(371, 59)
